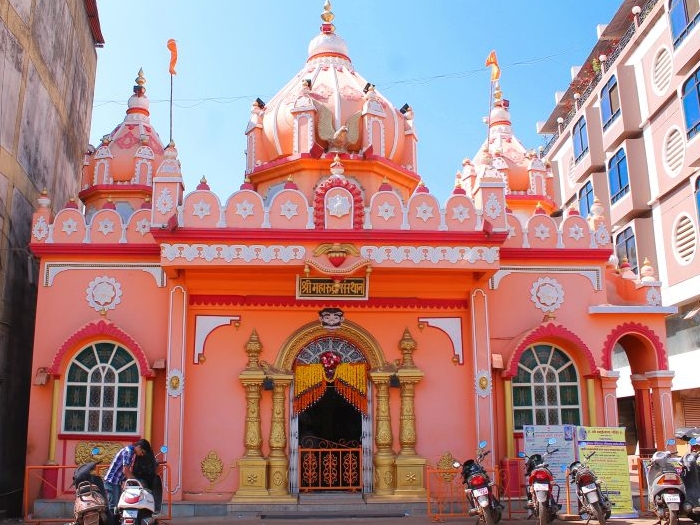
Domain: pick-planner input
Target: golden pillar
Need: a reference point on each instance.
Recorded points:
(278, 471)
(590, 394)
(508, 410)
(410, 468)
(252, 467)
(384, 481)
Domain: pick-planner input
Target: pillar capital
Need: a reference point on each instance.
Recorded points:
(660, 378)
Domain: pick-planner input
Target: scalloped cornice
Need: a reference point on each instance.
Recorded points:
(634, 329)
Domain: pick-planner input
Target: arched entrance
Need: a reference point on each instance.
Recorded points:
(331, 431)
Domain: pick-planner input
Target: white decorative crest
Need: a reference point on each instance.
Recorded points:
(143, 226)
(338, 205)
(231, 252)
(493, 208)
(424, 212)
(576, 232)
(433, 254)
(165, 203)
(104, 293)
(542, 232)
(70, 226)
(244, 209)
(201, 209)
(460, 213)
(175, 382)
(40, 229)
(653, 296)
(386, 211)
(289, 210)
(482, 383)
(105, 227)
(547, 294)
(602, 236)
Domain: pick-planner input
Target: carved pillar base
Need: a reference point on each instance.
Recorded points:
(252, 480)
(410, 479)
(278, 480)
(384, 474)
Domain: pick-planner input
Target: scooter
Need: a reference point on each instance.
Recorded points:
(543, 492)
(592, 501)
(691, 479)
(90, 506)
(139, 505)
(478, 488)
(666, 488)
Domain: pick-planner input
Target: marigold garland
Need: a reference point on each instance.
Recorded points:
(310, 382)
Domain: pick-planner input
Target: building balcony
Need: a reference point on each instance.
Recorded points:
(636, 201)
(626, 123)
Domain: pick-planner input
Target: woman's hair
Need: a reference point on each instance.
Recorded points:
(145, 446)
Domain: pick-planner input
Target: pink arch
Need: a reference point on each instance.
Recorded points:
(104, 329)
(550, 332)
(639, 329)
(335, 182)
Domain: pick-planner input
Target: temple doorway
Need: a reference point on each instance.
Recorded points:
(331, 431)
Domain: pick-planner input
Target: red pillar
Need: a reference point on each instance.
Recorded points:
(608, 385)
(662, 402)
(642, 399)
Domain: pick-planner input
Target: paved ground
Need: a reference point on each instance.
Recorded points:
(412, 520)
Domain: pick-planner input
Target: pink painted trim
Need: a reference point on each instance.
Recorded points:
(275, 300)
(554, 333)
(101, 329)
(638, 329)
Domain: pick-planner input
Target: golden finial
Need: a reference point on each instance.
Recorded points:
(327, 16)
(203, 180)
(140, 79)
(497, 93)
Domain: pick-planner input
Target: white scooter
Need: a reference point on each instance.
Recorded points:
(139, 505)
(666, 488)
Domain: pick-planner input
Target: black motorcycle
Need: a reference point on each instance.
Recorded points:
(691, 479)
(593, 502)
(479, 488)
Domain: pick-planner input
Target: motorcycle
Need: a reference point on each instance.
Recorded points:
(691, 479)
(478, 488)
(139, 504)
(90, 506)
(592, 501)
(666, 488)
(542, 491)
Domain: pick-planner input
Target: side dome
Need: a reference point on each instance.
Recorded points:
(328, 107)
(131, 153)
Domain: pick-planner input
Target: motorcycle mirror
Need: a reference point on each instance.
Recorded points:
(521, 454)
(482, 444)
(693, 441)
(95, 451)
(164, 449)
(551, 441)
(456, 464)
(671, 441)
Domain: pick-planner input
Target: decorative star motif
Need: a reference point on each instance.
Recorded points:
(244, 209)
(576, 232)
(143, 226)
(424, 212)
(40, 229)
(201, 209)
(542, 232)
(338, 205)
(460, 213)
(106, 227)
(70, 226)
(289, 210)
(386, 211)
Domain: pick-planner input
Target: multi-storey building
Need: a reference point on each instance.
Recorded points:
(627, 131)
(48, 65)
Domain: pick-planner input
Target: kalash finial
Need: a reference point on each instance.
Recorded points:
(327, 16)
(139, 88)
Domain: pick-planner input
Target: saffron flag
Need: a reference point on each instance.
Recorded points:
(172, 46)
(492, 61)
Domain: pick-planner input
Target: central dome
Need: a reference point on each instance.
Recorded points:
(328, 107)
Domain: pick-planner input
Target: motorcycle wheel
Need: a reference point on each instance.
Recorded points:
(672, 517)
(543, 513)
(599, 512)
(487, 516)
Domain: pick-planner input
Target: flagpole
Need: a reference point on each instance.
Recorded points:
(172, 47)
(488, 118)
(171, 108)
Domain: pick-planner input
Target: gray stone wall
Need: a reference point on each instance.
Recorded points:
(47, 75)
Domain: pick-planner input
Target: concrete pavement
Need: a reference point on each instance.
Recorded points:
(408, 520)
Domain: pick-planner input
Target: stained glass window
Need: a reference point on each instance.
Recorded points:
(102, 391)
(546, 389)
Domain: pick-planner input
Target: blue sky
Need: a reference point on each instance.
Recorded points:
(427, 54)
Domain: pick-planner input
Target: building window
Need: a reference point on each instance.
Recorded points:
(625, 247)
(617, 176)
(691, 104)
(102, 391)
(580, 138)
(585, 199)
(685, 15)
(697, 197)
(545, 390)
(610, 102)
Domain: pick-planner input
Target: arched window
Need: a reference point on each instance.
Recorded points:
(618, 176)
(685, 15)
(102, 391)
(580, 138)
(609, 102)
(585, 199)
(691, 104)
(545, 390)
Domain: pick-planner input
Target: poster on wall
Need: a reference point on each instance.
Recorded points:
(535, 442)
(610, 464)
